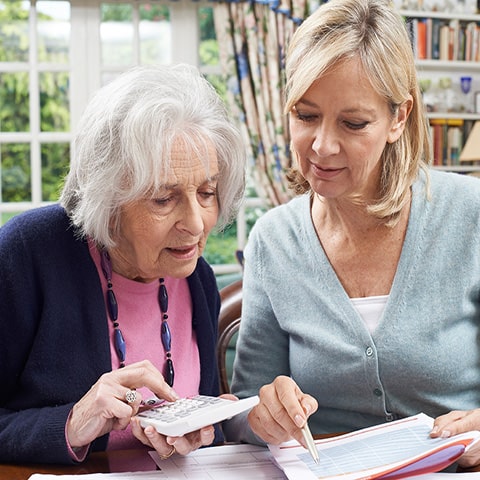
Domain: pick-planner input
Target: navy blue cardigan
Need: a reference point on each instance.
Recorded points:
(54, 341)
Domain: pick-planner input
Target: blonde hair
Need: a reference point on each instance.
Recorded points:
(123, 147)
(372, 32)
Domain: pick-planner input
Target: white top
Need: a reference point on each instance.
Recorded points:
(370, 309)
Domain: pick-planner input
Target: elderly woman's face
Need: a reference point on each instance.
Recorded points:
(339, 130)
(165, 235)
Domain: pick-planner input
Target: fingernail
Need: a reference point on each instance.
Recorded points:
(446, 434)
(299, 421)
(174, 394)
(208, 434)
(307, 408)
(434, 430)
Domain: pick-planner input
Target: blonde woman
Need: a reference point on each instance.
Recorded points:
(361, 295)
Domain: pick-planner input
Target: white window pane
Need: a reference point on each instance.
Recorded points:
(55, 161)
(14, 31)
(53, 31)
(155, 34)
(116, 34)
(15, 171)
(208, 40)
(15, 101)
(107, 77)
(54, 102)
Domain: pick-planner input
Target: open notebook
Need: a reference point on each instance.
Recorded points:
(388, 451)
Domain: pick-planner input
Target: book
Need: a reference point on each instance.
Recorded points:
(421, 38)
(436, 25)
(428, 38)
(437, 142)
(446, 48)
(392, 450)
(454, 143)
(471, 149)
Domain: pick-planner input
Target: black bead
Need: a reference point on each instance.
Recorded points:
(112, 305)
(163, 298)
(169, 372)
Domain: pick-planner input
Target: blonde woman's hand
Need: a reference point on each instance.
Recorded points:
(455, 422)
(282, 412)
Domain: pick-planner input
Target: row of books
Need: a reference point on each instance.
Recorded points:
(448, 139)
(439, 39)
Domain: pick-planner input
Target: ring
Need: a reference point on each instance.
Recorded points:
(131, 396)
(168, 455)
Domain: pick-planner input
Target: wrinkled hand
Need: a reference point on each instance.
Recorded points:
(166, 445)
(455, 422)
(104, 407)
(282, 411)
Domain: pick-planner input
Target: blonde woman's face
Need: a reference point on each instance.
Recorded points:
(339, 129)
(165, 235)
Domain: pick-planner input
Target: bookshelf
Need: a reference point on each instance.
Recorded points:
(447, 52)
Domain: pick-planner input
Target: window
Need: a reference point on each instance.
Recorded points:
(34, 90)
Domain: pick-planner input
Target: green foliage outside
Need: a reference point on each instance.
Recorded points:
(7, 216)
(221, 247)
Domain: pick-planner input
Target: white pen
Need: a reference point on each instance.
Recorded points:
(307, 435)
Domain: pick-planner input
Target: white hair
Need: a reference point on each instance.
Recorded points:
(122, 150)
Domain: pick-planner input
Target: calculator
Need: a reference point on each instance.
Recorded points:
(189, 414)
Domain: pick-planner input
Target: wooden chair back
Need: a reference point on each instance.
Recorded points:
(228, 325)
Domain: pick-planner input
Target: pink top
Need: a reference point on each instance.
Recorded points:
(139, 319)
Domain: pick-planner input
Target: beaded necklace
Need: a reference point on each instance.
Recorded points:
(118, 339)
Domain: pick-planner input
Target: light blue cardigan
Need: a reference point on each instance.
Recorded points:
(297, 319)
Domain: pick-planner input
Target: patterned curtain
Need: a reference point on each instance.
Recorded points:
(252, 38)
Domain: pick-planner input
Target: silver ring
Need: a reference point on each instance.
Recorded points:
(131, 396)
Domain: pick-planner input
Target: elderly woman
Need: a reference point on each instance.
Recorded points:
(105, 300)
(381, 253)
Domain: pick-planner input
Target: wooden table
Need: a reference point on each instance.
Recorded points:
(99, 462)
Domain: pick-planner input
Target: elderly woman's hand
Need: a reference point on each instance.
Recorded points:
(282, 412)
(455, 422)
(166, 446)
(105, 407)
